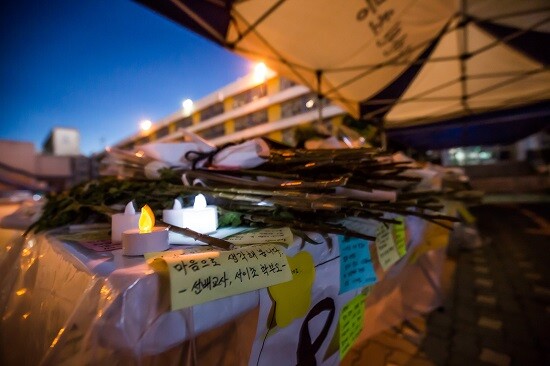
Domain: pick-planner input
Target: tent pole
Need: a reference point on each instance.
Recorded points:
(318, 74)
(383, 135)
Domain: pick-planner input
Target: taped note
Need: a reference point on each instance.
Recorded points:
(293, 298)
(356, 269)
(385, 246)
(351, 323)
(281, 236)
(400, 237)
(179, 252)
(466, 214)
(98, 240)
(202, 277)
(360, 225)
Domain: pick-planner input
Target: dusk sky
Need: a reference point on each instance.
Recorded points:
(100, 66)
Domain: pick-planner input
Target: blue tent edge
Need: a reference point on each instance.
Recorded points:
(490, 128)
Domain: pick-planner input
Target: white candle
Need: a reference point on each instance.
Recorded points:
(147, 238)
(201, 218)
(174, 216)
(123, 221)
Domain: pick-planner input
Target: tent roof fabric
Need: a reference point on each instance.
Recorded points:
(407, 62)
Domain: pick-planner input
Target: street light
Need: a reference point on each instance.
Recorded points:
(145, 125)
(187, 105)
(260, 72)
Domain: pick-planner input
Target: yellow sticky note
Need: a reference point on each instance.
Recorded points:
(293, 298)
(351, 323)
(281, 236)
(151, 255)
(400, 237)
(466, 214)
(435, 237)
(202, 277)
(385, 247)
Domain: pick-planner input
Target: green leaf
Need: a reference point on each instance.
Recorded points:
(230, 218)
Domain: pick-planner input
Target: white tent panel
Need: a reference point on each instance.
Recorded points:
(510, 92)
(438, 89)
(509, 60)
(365, 40)
(421, 112)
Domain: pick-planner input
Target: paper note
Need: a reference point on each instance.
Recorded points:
(385, 246)
(281, 235)
(201, 277)
(177, 252)
(466, 214)
(360, 225)
(351, 323)
(221, 233)
(96, 240)
(356, 269)
(293, 298)
(400, 237)
(435, 237)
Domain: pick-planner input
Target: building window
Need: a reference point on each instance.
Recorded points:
(213, 132)
(212, 111)
(251, 120)
(128, 146)
(472, 155)
(186, 122)
(250, 95)
(299, 105)
(285, 83)
(289, 136)
(142, 141)
(161, 132)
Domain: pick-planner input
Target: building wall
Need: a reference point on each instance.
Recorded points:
(247, 108)
(19, 155)
(17, 165)
(53, 166)
(63, 141)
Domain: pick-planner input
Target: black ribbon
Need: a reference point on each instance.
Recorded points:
(200, 156)
(306, 349)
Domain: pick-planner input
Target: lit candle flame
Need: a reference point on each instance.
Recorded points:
(146, 220)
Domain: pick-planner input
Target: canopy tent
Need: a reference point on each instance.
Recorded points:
(406, 62)
(496, 127)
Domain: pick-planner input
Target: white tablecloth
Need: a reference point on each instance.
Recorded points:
(63, 304)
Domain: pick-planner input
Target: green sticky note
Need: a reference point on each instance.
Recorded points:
(351, 323)
(400, 240)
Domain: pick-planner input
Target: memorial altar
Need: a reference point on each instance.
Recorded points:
(251, 294)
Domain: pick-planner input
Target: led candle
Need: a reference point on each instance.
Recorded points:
(201, 218)
(121, 222)
(174, 216)
(147, 238)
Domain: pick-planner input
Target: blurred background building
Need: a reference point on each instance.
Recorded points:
(259, 104)
(60, 165)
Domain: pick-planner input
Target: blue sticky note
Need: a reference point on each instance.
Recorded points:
(356, 269)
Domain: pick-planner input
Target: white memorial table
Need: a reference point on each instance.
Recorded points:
(63, 304)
